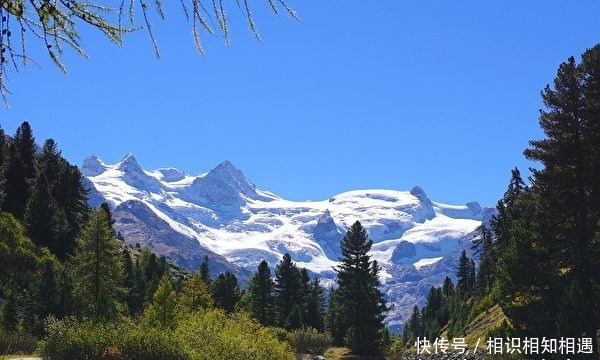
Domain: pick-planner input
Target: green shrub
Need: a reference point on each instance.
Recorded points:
(70, 339)
(483, 304)
(143, 342)
(397, 349)
(213, 335)
(12, 342)
(204, 335)
(309, 341)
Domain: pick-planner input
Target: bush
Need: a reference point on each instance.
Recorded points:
(12, 342)
(143, 342)
(309, 341)
(212, 335)
(397, 349)
(70, 339)
(204, 335)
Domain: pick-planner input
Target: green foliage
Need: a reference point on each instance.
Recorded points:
(12, 342)
(464, 273)
(335, 320)
(215, 335)
(260, 291)
(288, 289)
(97, 271)
(226, 292)
(195, 294)
(162, 312)
(18, 256)
(361, 301)
(484, 303)
(295, 319)
(504, 330)
(133, 283)
(205, 270)
(203, 335)
(19, 170)
(70, 339)
(566, 190)
(41, 215)
(314, 316)
(309, 341)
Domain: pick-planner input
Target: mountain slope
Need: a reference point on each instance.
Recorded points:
(416, 241)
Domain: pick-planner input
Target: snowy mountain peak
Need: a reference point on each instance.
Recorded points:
(227, 172)
(474, 207)
(129, 164)
(418, 192)
(93, 166)
(416, 241)
(224, 185)
(325, 218)
(170, 174)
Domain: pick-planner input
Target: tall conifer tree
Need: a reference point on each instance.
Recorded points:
(162, 311)
(288, 288)
(359, 292)
(98, 270)
(19, 171)
(261, 294)
(226, 292)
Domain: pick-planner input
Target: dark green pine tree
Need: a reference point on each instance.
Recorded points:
(70, 196)
(335, 321)
(361, 298)
(41, 216)
(484, 247)
(506, 211)
(464, 272)
(414, 324)
(515, 187)
(431, 313)
(205, 270)
(137, 294)
(46, 295)
(97, 271)
(50, 162)
(567, 192)
(261, 295)
(288, 288)
(471, 274)
(448, 287)
(21, 172)
(314, 317)
(295, 319)
(154, 270)
(111, 220)
(133, 289)
(226, 292)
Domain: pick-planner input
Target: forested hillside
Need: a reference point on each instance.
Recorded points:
(539, 259)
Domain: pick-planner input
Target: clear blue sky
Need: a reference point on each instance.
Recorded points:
(363, 94)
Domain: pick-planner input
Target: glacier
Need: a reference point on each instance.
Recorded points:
(223, 215)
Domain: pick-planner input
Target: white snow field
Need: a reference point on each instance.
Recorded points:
(416, 240)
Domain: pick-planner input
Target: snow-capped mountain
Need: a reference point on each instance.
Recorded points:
(223, 215)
